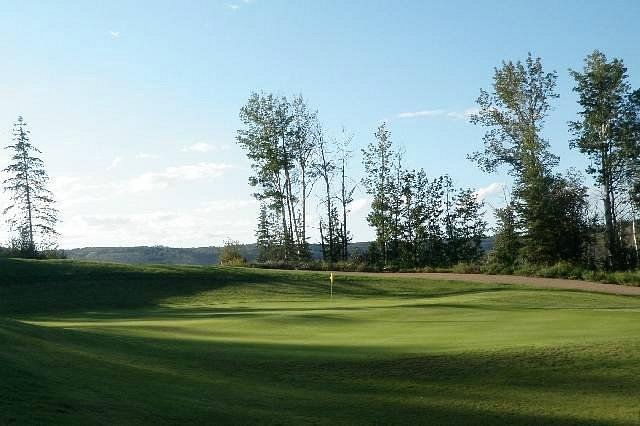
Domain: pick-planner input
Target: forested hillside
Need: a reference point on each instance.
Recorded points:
(181, 256)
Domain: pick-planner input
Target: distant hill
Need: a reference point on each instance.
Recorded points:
(188, 256)
(170, 255)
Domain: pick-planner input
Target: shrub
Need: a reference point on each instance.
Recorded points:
(230, 254)
(466, 268)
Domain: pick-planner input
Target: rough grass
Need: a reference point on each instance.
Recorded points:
(85, 343)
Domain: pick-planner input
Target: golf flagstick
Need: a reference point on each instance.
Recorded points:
(331, 286)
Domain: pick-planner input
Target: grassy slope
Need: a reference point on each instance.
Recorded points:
(96, 343)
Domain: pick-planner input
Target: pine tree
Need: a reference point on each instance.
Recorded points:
(31, 213)
(470, 226)
(263, 235)
(506, 244)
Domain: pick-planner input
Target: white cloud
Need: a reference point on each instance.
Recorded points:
(157, 180)
(115, 163)
(70, 191)
(198, 147)
(227, 205)
(236, 6)
(425, 113)
(493, 189)
(359, 204)
(114, 34)
(439, 113)
(202, 147)
(177, 228)
(85, 190)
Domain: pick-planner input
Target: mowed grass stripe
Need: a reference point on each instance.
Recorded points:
(110, 344)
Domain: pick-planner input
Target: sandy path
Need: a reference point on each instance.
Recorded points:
(514, 279)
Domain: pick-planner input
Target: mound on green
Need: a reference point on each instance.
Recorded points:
(84, 343)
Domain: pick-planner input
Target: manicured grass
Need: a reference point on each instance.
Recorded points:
(85, 343)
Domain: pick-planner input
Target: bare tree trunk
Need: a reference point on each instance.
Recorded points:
(325, 176)
(633, 230)
(324, 252)
(609, 219)
(303, 230)
(27, 186)
(293, 226)
(285, 229)
(345, 237)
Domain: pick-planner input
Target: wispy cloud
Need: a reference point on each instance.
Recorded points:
(493, 189)
(115, 163)
(424, 113)
(175, 227)
(204, 147)
(439, 113)
(359, 204)
(157, 180)
(72, 190)
(238, 5)
(198, 147)
(114, 34)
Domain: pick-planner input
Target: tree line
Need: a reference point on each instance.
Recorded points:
(426, 221)
(290, 154)
(421, 220)
(418, 221)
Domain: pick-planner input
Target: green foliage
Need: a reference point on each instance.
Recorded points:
(609, 134)
(506, 244)
(418, 221)
(378, 162)
(545, 206)
(231, 255)
(278, 139)
(515, 113)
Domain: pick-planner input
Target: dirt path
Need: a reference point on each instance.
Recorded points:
(514, 279)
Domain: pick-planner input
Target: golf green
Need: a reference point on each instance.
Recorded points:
(84, 343)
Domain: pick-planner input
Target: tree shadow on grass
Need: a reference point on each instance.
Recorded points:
(64, 286)
(83, 377)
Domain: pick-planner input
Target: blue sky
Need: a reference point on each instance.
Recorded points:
(135, 104)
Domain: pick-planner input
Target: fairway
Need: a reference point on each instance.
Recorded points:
(84, 343)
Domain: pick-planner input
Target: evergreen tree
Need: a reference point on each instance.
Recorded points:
(571, 217)
(470, 226)
(506, 243)
(31, 213)
(432, 242)
(263, 235)
(331, 237)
